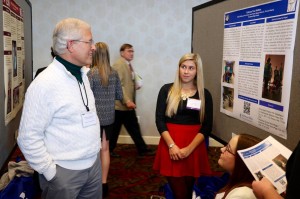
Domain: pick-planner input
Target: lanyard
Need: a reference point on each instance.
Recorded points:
(87, 99)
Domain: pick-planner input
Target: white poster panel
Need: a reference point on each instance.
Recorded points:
(257, 65)
(13, 46)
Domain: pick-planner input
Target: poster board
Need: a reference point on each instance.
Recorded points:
(207, 40)
(8, 130)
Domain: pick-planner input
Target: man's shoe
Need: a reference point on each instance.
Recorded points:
(115, 155)
(147, 152)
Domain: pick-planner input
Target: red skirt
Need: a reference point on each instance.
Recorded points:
(196, 164)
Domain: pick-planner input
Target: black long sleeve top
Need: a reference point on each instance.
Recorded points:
(293, 174)
(184, 115)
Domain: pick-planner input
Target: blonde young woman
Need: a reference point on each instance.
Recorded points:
(184, 119)
(106, 86)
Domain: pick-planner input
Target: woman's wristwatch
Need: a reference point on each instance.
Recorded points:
(171, 145)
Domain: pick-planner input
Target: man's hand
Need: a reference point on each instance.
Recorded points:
(130, 105)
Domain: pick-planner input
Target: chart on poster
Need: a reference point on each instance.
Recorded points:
(258, 49)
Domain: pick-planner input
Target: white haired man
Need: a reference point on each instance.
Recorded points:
(59, 129)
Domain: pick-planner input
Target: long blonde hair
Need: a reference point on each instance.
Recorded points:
(174, 95)
(101, 62)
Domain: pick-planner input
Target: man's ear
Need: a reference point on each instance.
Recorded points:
(70, 46)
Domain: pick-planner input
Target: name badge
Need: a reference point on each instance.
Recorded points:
(193, 104)
(89, 118)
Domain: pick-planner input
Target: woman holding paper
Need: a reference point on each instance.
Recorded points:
(264, 189)
(240, 180)
(184, 120)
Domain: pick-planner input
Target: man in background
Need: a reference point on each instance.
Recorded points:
(59, 129)
(125, 109)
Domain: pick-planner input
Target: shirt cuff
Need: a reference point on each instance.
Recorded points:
(50, 173)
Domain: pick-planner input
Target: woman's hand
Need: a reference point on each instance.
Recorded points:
(264, 189)
(175, 153)
(185, 152)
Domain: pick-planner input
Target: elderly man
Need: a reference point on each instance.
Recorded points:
(59, 129)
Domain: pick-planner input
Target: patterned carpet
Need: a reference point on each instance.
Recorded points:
(132, 177)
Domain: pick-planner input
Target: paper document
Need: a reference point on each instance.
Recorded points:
(268, 159)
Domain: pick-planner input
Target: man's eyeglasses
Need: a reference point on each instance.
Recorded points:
(229, 150)
(91, 42)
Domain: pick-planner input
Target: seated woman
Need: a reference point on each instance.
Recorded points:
(240, 181)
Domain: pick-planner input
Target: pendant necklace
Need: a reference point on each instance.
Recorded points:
(186, 95)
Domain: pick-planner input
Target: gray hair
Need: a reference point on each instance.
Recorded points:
(67, 29)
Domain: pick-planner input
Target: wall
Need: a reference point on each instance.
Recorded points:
(160, 32)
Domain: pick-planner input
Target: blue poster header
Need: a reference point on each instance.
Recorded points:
(271, 9)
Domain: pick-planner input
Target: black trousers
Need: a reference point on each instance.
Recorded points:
(130, 122)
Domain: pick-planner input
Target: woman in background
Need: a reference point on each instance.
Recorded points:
(106, 86)
(240, 180)
(184, 120)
